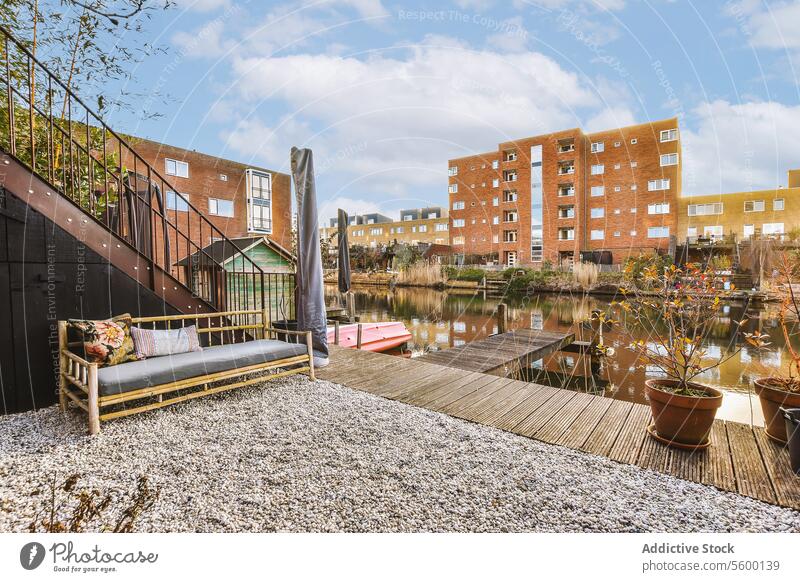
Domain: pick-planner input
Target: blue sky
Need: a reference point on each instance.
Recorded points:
(385, 92)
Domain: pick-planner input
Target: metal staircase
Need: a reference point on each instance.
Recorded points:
(63, 160)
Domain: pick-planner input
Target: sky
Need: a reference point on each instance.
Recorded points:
(385, 92)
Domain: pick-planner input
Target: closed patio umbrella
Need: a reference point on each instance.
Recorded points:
(344, 253)
(310, 309)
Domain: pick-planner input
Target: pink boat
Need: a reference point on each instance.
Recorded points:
(375, 337)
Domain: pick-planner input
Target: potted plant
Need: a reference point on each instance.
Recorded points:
(675, 309)
(781, 389)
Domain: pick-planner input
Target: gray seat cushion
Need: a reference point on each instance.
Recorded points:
(165, 369)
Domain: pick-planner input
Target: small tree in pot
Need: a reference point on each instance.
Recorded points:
(676, 309)
(776, 391)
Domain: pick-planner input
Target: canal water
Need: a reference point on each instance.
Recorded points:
(444, 319)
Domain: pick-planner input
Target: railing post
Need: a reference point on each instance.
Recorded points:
(359, 336)
(336, 332)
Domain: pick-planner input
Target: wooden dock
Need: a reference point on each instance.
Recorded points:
(501, 354)
(740, 459)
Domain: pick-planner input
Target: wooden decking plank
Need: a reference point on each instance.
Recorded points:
(477, 397)
(434, 381)
(653, 455)
(491, 414)
(372, 379)
(399, 386)
(577, 433)
(689, 465)
(559, 423)
(718, 470)
(480, 389)
(776, 460)
(460, 378)
(631, 438)
(748, 466)
(605, 434)
(538, 398)
(541, 415)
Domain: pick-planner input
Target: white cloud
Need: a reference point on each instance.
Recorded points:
(769, 25)
(202, 5)
(328, 209)
(609, 118)
(204, 42)
(365, 8)
(512, 36)
(735, 147)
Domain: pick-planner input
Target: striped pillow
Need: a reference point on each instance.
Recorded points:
(165, 342)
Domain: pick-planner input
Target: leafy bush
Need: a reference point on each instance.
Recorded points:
(465, 274)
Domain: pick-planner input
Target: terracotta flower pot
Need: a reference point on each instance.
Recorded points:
(683, 420)
(772, 398)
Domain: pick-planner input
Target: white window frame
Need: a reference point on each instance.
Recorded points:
(658, 208)
(598, 169)
(771, 228)
(756, 205)
(658, 232)
(452, 171)
(778, 204)
(214, 207)
(597, 191)
(597, 234)
(667, 160)
(176, 206)
(597, 147)
(179, 169)
(658, 184)
(459, 223)
(707, 209)
(253, 207)
(669, 135)
(458, 205)
(597, 212)
(452, 188)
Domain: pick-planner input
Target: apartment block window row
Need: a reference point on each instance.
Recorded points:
(441, 227)
(376, 231)
(654, 185)
(659, 208)
(705, 209)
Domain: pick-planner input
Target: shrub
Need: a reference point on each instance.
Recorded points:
(465, 274)
(421, 273)
(585, 274)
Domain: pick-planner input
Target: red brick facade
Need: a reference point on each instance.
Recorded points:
(205, 182)
(624, 211)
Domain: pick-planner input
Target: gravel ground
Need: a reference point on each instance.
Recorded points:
(300, 456)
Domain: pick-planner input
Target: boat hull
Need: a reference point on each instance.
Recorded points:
(375, 337)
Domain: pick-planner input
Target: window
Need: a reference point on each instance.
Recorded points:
(495, 182)
(562, 191)
(495, 201)
(223, 177)
(749, 230)
(598, 169)
(495, 220)
(691, 232)
(616, 233)
(259, 201)
(617, 188)
(660, 208)
(598, 212)
(509, 236)
(669, 160)
(616, 211)
(669, 135)
(634, 164)
(617, 166)
(453, 188)
(633, 233)
(771, 228)
(458, 240)
(440, 227)
(458, 222)
(566, 168)
(617, 144)
(219, 207)
(634, 141)
(495, 164)
(777, 204)
(509, 216)
(423, 228)
(176, 168)
(179, 202)
(566, 211)
(359, 232)
(653, 185)
(598, 190)
(633, 187)
(495, 238)
(408, 217)
(754, 206)
(713, 231)
(452, 171)
(597, 235)
(511, 196)
(566, 234)
(400, 229)
(705, 209)
(458, 205)
(510, 176)
(376, 231)
(510, 156)
(633, 210)
(597, 147)
(658, 232)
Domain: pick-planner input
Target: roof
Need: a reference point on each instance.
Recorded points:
(437, 249)
(221, 252)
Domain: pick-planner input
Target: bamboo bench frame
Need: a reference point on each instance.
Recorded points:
(78, 377)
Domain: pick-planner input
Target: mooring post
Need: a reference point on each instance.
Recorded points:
(359, 336)
(502, 318)
(336, 332)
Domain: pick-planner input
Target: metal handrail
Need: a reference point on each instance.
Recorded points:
(65, 160)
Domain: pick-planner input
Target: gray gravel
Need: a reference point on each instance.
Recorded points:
(300, 456)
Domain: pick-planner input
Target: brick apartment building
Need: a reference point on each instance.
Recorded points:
(415, 226)
(553, 197)
(240, 199)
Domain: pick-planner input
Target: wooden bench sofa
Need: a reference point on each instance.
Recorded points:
(239, 347)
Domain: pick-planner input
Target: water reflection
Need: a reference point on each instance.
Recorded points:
(440, 320)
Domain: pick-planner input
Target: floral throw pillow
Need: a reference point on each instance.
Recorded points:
(107, 342)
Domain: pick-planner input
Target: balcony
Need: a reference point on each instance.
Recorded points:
(510, 217)
(566, 234)
(565, 146)
(509, 176)
(566, 191)
(566, 212)
(566, 169)
(510, 156)
(510, 236)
